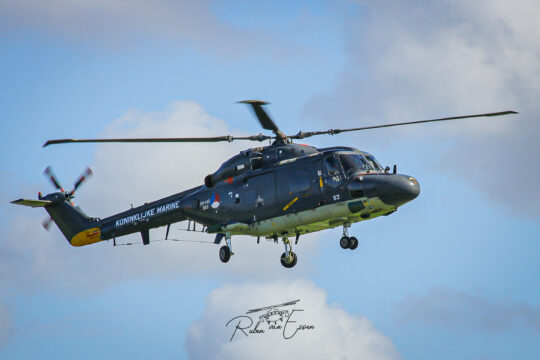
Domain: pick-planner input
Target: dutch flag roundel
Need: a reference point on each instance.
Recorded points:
(215, 201)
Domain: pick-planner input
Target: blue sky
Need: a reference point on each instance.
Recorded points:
(454, 274)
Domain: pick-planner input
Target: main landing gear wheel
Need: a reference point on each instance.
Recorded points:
(345, 242)
(288, 261)
(225, 251)
(288, 258)
(348, 242)
(224, 254)
(353, 243)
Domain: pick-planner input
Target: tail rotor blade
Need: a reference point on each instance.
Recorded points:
(87, 173)
(50, 175)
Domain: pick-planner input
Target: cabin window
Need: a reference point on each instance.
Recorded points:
(260, 190)
(256, 163)
(298, 181)
(256, 160)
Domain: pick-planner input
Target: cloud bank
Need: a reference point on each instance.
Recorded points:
(126, 174)
(337, 334)
(127, 24)
(419, 60)
(449, 308)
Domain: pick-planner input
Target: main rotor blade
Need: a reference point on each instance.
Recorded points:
(302, 135)
(262, 116)
(227, 138)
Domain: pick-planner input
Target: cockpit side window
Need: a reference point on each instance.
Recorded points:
(353, 162)
(331, 165)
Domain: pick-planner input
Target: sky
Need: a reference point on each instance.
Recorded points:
(453, 274)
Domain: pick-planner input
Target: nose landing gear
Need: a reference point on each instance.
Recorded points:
(347, 242)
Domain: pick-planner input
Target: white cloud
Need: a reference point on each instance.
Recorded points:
(138, 173)
(127, 24)
(337, 333)
(418, 60)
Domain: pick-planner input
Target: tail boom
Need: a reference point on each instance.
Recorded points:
(80, 229)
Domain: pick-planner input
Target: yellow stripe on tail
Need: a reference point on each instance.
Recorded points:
(86, 237)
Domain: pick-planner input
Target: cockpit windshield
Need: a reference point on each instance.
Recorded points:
(352, 163)
(374, 163)
(355, 162)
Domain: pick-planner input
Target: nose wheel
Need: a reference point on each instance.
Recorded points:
(347, 242)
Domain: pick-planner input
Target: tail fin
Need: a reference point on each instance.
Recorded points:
(77, 227)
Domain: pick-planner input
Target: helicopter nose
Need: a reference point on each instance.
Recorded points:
(393, 189)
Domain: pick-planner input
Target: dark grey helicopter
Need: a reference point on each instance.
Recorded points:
(278, 191)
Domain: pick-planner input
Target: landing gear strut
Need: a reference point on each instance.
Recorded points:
(288, 258)
(347, 242)
(225, 251)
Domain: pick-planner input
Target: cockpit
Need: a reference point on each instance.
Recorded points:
(353, 163)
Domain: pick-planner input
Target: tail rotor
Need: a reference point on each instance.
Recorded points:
(49, 174)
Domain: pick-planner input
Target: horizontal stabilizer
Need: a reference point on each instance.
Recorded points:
(32, 203)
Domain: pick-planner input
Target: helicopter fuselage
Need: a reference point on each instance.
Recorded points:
(277, 191)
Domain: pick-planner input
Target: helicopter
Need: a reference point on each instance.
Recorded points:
(280, 191)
